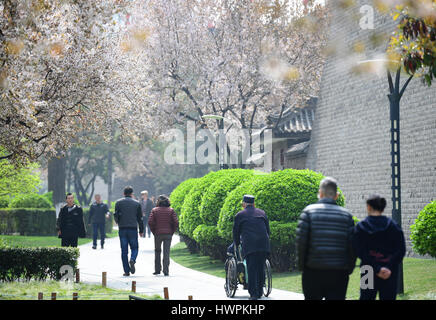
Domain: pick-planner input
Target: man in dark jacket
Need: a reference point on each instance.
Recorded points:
(70, 224)
(146, 205)
(252, 227)
(128, 215)
(98, 213)
(379, 243)
(324, 250)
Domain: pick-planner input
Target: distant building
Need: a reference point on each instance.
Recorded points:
(291, 135)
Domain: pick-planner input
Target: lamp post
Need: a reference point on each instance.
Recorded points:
(221, 139)
(395, 95)
(396, 92)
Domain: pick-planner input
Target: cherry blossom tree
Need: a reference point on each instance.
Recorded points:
(58, 66)
(239, 60)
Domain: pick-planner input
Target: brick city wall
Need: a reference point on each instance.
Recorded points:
(351, 134)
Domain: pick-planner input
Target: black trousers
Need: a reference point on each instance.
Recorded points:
(69, 242)
(387, 289)
(328, 284)
(256, 273)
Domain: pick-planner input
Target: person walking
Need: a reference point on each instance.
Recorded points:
(147, 205)
(128, 215)
(98, 213)
(324, 246)
(163, 223)
(251, 225)
(379, 243)
(70, 224)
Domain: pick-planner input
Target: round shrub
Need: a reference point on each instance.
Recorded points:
(31, 200)
(282, 240)
(215, 195)
(190, 215)
(210, 242)
(423, 231)
(282, 195)
(232, 205)
(177, 196)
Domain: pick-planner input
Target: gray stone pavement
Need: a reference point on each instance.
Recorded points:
(182, 282)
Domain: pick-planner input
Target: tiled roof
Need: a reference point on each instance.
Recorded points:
(297, 149)
(295, 119)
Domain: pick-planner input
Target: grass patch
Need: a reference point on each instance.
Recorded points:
(419, 275)
(28, 290)
(36, 241)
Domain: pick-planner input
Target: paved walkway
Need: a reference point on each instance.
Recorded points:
(181, 282)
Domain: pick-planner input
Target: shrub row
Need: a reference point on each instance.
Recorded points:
(37, 222)
(211, 203)
(28, 222)
(35, 263)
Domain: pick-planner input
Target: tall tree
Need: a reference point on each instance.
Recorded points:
(240, 60)
(56, 174)
(57, 64)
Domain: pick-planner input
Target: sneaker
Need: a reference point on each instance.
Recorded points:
(166, 274)
(132, 266)
(156, 273)
(126, 274)
(94, 247)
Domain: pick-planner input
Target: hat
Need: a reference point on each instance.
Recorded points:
(248, 198)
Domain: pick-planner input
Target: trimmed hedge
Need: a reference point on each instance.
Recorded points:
(282, 195)
(423, 231)
(210, 243)
(215, 195)
(209, 209)
(38, 222)
(35, 263)
(28, 222)
(282, 241)
(190, 214)
(30, 200)
(232, 205)
(177, 196)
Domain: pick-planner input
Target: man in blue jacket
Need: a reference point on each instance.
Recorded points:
(98, 213)
(252, 227)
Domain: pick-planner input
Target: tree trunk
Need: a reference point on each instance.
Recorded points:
(56, 180)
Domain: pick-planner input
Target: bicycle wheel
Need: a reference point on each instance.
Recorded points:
(231, 278)
(267, 286)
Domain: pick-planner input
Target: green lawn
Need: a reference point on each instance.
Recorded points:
(419, 274)
(44, 241)
(64, 291)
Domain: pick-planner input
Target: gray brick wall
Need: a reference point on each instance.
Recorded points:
(351, 133)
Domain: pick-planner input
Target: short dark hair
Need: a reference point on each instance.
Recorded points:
(128, 191)
(163, 201)
(376, 202)
(68, 194)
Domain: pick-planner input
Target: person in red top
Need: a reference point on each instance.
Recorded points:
(163, 223)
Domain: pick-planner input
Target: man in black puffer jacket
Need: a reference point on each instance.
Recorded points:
(324, 251)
